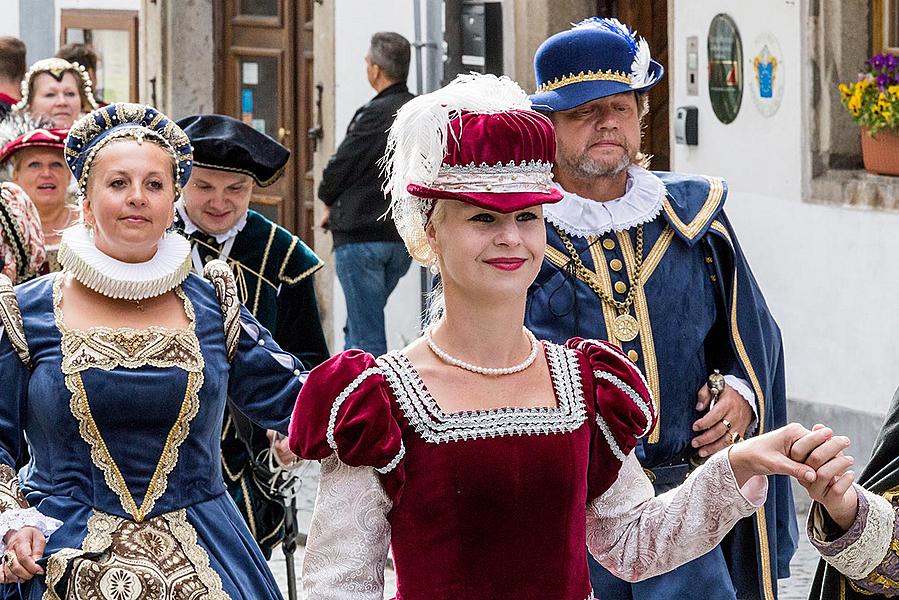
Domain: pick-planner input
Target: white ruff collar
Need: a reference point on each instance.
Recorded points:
(113, 278)
(641, 203)
(220, 238)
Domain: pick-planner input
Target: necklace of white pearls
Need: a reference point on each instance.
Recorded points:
(490, 371)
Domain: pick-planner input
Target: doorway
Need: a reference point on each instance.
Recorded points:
(264, 78)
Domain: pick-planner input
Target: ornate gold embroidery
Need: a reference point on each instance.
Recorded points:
(101, 456)
(268, 248)
(11, 319)
(157, 559)
(222, 279)
(10, 494)
(107, 349)
(609, 75)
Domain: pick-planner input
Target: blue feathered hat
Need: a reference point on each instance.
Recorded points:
(596, 58)
(93, 131)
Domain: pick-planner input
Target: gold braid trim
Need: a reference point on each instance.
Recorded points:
(10, 494)
(11, 320)
(609, 75)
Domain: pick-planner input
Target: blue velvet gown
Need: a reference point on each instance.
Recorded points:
(123, 427)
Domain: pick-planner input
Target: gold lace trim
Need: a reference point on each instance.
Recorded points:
(106, 348)
(582, 76)
(10, 494)
(157, 559)
(101, 456)
(11, 320)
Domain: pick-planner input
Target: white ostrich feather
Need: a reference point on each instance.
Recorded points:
(417, 143)
(18, 123)
(640, 66)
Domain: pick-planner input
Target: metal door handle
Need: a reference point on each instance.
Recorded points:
(283, 133)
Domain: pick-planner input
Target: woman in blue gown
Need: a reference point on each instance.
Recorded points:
(118, 370)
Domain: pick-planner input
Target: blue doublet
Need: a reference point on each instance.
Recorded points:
(698, 309)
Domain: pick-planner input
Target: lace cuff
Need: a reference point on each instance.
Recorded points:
(864, 546)
(635, 535)
(741, 386)
(17, 518)
(346, 550)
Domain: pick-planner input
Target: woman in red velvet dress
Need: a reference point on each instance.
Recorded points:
(488, 460)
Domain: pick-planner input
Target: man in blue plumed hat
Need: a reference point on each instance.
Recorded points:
(273, 269)
(649, 261)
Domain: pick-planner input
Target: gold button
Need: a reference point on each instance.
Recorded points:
(708, 259)
(608, 244)
(632, 354)
(615, 264)
(620, 287)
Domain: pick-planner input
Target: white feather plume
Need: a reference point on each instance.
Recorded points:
(640, 67)
(417, 143)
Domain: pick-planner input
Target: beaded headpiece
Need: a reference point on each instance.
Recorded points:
(129, 121)
(475, 140)
(596, 58)
(56, 68)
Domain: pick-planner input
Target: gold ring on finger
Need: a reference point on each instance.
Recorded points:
(727, 424)
(9, 558)
(735, 438)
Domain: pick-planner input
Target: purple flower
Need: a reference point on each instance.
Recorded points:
(878, 61)
(883, 80)
(891, 61)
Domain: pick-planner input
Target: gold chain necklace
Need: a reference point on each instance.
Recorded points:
(625, 327)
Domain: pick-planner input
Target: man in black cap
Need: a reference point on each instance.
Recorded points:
(273, 269)
(370, 256)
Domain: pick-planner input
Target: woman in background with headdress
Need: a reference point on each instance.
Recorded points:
(22, 255)
(118, 369)
(35, 154)
(58, 90)
(486, 459)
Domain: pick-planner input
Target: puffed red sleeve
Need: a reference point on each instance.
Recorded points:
(622, 409)
(345, 408)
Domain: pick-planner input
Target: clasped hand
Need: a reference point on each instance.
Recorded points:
(815, 458)
(23, 548)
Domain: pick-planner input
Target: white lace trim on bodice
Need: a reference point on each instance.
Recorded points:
(641, 203)
(436, 426)
(16, 518)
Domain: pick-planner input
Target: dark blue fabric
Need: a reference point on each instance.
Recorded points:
(368, 273)
(689, 297)
(593, 45)
(134, 409)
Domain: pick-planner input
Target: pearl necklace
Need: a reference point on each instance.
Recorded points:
(490, 371)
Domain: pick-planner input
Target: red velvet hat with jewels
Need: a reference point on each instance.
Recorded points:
(47, 138)
(499, 161)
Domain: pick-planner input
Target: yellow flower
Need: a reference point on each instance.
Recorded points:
(893, 90)
(846, 90)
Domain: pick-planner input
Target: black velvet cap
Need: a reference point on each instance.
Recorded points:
(226, 144)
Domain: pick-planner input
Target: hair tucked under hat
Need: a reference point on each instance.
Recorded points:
(475, 140)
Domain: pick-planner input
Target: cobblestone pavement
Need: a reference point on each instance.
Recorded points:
(796, 587)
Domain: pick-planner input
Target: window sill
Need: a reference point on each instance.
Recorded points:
(856, 189)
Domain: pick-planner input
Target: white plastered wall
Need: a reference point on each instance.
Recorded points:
(828, 273)
(9, 24)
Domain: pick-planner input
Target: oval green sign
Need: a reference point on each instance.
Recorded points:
(725, 68)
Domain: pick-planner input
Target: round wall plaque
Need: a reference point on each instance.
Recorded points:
(725, 68)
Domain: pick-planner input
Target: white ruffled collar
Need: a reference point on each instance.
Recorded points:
(220, 238)
(641, 203)
(113, 278)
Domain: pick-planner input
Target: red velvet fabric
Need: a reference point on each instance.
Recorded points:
(484, 517)
(487, 139)
(50, 138)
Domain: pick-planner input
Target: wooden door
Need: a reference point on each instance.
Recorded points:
(265, 70)
(649, 18)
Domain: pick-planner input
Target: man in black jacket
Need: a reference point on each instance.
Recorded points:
(370, 257)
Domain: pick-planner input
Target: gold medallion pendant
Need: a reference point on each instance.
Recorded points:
(625, 328)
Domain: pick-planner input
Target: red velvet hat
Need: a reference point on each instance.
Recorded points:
(50, 138)
(498, 161)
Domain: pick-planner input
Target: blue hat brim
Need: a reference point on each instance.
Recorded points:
(575, 94)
